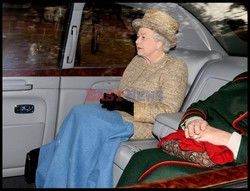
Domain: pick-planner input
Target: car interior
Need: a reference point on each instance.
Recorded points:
(37, 100)
(209, 78)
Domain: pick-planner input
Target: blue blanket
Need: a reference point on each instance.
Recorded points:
(82, 154)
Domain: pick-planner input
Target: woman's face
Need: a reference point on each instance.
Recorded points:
(146, 45)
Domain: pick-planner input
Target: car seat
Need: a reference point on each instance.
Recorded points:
(195, 60)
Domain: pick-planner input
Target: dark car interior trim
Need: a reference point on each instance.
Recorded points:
(214, 178)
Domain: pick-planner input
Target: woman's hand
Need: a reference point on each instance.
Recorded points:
(108, 101)
(113, 102)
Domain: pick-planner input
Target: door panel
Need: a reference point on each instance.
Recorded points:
(12, 117)
(34, 42)
(17, 141)
(105, 85)
(75, 90)
(23, 132)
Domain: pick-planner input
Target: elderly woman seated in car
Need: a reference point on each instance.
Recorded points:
(154, 82)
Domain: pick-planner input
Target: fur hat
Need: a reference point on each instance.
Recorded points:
(160, 22)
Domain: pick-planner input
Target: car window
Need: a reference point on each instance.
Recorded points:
(32, 34)
(106, 37)
(227, 22)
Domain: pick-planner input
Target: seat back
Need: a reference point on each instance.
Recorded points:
(212, 76)
(195, 60)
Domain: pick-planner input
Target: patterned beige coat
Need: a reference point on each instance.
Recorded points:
(154, 88)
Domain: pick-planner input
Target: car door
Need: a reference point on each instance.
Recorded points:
(57, 55)
(33, 36)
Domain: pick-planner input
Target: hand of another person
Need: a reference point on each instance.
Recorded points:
(194, 128)
(214, 135)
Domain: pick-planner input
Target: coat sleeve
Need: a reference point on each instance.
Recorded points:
(173, 86)
(196, 109)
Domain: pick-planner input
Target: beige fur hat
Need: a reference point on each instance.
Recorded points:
(160, 22)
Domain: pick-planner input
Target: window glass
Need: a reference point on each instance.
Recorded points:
(31, 34)
(106, 37)
(228, 23)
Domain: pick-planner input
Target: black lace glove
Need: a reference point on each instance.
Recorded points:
(113, 102)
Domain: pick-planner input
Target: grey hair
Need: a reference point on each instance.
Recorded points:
(159, 37)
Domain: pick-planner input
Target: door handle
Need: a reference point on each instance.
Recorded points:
(73, 44)
(16, 85)
(24, 108)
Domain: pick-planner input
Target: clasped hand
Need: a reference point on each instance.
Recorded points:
(113, 102)
(200, 130)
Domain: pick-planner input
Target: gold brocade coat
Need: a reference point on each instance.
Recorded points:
(154, 89)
